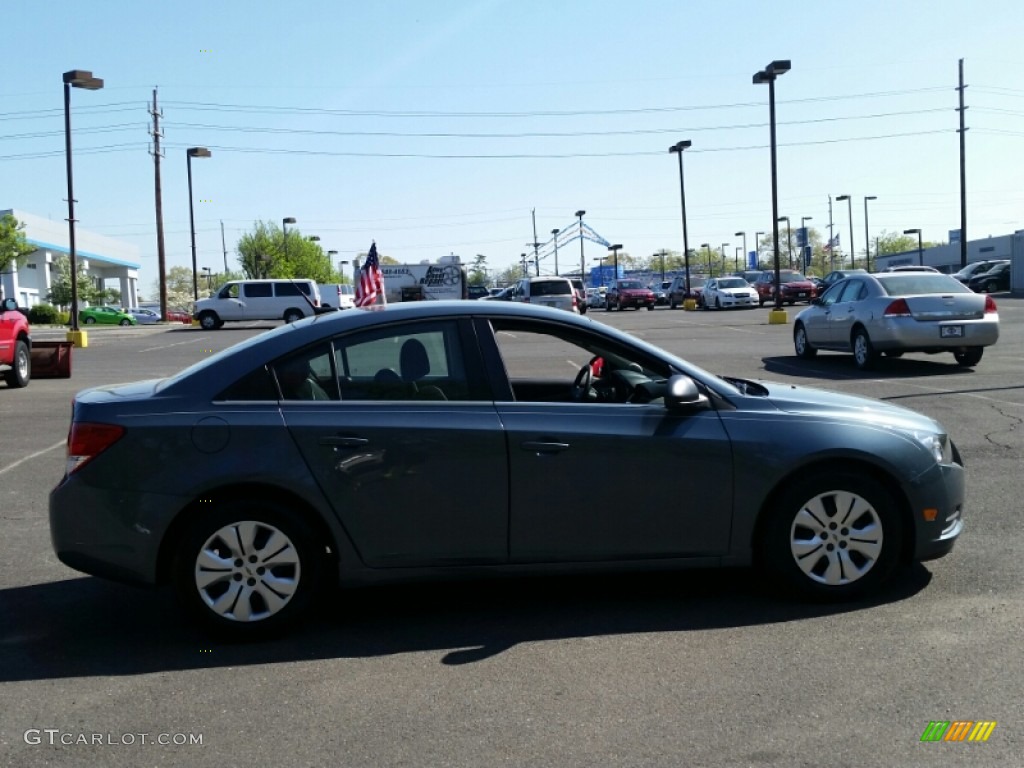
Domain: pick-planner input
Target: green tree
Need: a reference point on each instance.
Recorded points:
(60, 287)
(13, 246)
(265, 252)
(478, 271)
(896, 242)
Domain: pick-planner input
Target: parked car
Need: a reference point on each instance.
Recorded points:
(723, 292)
(310, 454)
(546, 292)
(793, 287)
(996, 279)
(500, 294)
(581, 294)
(241, 300)
(897, 312)
(660, 291)
(622, 294)
(976, 268)
(174, 314)
(106, 316)
(595, 297)
(15, 345)
(677, 292)
(826, 282)
(337, 295)
(144, 316)
(476, 291)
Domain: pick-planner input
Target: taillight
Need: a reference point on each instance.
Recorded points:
(898, 308)
(990, 304)
(86, 441)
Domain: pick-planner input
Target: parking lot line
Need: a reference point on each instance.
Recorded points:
(31, 456)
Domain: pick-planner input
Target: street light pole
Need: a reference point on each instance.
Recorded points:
(757, 248)
(724, 246)
(284, 228)
(806, 262)
(554, 236)
(768, 75)
(867, 236)
(744, 236)
(849, 210)
(920, 247)
(583, 264)
(736, 257)
(615, 251)
(189, 154)
(678, 148)
(789, 239)
(77, 78)
(707, 247)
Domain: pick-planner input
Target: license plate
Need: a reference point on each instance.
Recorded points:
(802, 294)
(951, 331)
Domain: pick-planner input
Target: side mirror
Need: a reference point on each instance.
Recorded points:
(682, 395)
(816, 301)
(9, 305)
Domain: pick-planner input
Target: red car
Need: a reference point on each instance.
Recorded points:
(793, 287)
(628, 293)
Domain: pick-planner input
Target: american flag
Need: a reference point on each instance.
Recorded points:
(371, 282)
(833, 243)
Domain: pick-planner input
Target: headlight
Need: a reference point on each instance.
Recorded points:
(939, 446)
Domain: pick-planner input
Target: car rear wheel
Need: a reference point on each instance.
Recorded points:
(209, 321)
(21, 367)
(90, 320)
(969, 357)
(292, 316)
(248, 568)
(801, 345)
(836, 535)
(864, 354)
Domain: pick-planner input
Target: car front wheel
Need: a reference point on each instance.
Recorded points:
(248, 567)
(836, 535)
(864, 354)
(126, 321)
(801, 345)
(21, 367)
(209, 321)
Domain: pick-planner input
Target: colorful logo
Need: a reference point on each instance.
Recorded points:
(958, 730)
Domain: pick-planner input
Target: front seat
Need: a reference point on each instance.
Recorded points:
(415, 365)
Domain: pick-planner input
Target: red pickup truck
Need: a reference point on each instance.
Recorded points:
(15, 345)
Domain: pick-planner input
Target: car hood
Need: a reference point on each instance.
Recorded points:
(807, 400)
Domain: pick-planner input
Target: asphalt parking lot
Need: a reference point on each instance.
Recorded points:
(688, 669)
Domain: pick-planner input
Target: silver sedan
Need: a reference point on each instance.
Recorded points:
(896, 312)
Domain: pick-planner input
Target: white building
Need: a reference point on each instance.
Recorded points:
(946, 257)
(102, 257)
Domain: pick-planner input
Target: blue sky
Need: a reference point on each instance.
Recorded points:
(416, 123)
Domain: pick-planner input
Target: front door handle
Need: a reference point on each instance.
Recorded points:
(344, 442)
(544, 447)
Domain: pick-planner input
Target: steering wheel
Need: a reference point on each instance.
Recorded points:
(581, 385)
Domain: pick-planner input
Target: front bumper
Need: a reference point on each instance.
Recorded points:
(941, 488)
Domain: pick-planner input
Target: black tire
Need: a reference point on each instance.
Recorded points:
(672, 304)
(21, 366)
(834, 535)
(209, 321)
(292, 316)
(969, 357)
(894, 353)
(294, 576)
(864, 354)
(650, 307)
(760, 300)
(90, 320)
(718, 303)
(126, 321)
(801, 345)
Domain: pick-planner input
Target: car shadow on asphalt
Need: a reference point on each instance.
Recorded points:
(840, 367)
(87, 627)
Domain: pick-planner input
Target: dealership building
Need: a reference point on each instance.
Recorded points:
(104, 259)
(946, 257)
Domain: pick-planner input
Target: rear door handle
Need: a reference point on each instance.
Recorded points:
(544, 447)
(344, 442)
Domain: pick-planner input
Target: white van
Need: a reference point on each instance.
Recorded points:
(240, 300)
(337, 295)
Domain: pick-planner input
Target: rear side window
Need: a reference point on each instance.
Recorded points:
(257, 290)
(551, 288)
(291, 289)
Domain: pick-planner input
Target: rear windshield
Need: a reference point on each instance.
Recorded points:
(631, 284)
(913, 283)
(786, 276)
(551, 288)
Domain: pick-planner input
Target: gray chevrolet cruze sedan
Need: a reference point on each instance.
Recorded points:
(453, 439)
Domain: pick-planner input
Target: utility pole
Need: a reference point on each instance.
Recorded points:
(831, 248)
(963, 171)
(535, 244)
(224, 246)
(161, 256)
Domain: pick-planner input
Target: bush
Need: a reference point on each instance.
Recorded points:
(44, 314)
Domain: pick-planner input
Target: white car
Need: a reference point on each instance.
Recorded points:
(724, 292)
(144, 316)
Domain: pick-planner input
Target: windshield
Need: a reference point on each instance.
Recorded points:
(733, 282)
